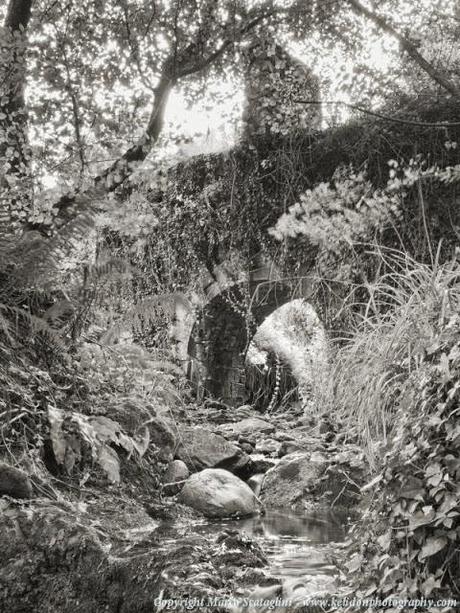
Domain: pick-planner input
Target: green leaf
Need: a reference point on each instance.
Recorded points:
(385, 540)
(413, 488)
(433, 545)
(421, 519)
(109, 462)
(355, 563)
(429, 585)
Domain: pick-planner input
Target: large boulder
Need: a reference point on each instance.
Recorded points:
(200, 448)
(290, 481)
(14, 482)
(218, 493)
(307, 480)
(49, 555)
(136, 416)
(163, 436)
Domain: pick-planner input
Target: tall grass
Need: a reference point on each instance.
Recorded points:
(406, 310)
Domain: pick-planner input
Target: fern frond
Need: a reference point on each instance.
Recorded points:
(5, 327)
(105, 267)
(24, 324)
(146, 312)
(57, 315)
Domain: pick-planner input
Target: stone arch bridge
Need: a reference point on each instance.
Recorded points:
(212, 336)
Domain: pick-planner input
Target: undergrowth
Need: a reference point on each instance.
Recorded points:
(75, 397)
(397, 388)
(401, 315)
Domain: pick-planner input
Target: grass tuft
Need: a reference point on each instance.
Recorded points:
(406, 309)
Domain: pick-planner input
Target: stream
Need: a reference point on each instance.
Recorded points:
(297, 545)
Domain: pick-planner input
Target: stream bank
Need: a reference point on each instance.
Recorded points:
(146, 544)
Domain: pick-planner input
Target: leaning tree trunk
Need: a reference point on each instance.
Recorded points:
(408, 46)
(15, 188)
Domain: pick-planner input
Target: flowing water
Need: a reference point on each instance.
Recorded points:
(298, 547)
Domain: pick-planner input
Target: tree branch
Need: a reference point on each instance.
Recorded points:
(407, 122)
(135, 50)
(203, 64)
(112, 177)
(407, 45)
(115, 175)
(67, 85)
(12, 84)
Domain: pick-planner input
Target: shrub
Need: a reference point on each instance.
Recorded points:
(336, 214)
(397, 383)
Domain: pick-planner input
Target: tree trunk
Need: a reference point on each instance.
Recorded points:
(15, 195)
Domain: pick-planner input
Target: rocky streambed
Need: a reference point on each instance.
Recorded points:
(137, 546)
(305, 483)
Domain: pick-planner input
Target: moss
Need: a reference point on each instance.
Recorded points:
(217, 204)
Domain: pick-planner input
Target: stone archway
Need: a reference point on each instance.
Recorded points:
(296, 338)
(222, 332)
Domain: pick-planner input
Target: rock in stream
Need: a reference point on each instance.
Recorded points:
(218, 493)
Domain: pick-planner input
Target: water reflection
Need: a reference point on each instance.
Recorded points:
(275, 524)
(279, 523)
(297, 545)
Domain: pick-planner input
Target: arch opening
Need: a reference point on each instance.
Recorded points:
(228, 329)
(287, 357)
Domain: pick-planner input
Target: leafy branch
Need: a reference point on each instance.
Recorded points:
(406, 45)
(175, 68)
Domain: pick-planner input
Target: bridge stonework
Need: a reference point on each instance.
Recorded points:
(274, 80)
(212, 337)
